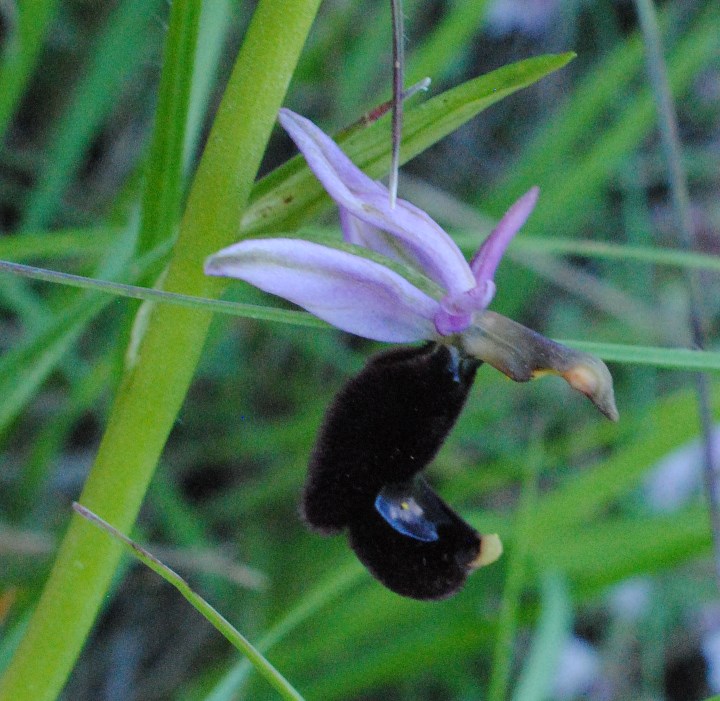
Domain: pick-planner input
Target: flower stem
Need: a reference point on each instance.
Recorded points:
(154, 386)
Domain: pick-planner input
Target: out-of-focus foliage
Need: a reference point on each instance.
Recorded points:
(614, 577)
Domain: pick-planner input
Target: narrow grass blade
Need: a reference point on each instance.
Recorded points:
(164, 175)
(309, 605)
(23, 44)
(217, 620)
(290, 194)
(668, 358)
(559, 146)
(118, 51)
(515, 580)
(655, 255)
(437, 55)
(84, 244)
(612, 549)
(25, 367)
(656, 432)
(585, 173)
(216, 22)
(553, 630)
(82, 396)
(119, 289)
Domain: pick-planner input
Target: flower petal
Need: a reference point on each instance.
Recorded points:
(414, 568)
(485, 262)
(353, 293)
(360, 233)
(523, 354)
(456, 311)
(423, 240)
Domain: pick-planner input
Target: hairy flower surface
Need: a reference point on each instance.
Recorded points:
(388, 423)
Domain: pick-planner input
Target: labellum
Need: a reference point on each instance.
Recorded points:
(382, 429)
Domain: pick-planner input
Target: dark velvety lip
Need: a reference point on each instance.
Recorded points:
(382, 429)
(419, 567)
(384, 426)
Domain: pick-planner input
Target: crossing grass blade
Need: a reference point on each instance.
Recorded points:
(216, 619)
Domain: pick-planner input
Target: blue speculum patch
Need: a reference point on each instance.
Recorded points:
(412, 509)
(406, 517)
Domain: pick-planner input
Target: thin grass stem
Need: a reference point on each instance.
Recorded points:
(312, 602)
(214, 617)
(669, 358)
(515, 579)
(398, 80)
(677, 181)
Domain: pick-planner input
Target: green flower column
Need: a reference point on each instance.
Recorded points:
(154, 386)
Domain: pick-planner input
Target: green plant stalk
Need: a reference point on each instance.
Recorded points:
(154, 386)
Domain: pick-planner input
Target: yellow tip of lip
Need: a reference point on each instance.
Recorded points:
(584, 379)
(490, 550)
(595, 382)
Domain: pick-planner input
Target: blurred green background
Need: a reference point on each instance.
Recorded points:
(607, 574)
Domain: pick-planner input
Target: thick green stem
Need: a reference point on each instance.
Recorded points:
(155, 385)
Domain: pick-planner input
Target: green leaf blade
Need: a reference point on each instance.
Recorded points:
(288, 196)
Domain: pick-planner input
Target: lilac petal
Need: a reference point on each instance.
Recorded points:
(456, 311)
(360, 233)
(523, 354)
(353, 293)
(474, 300)
(325, 158)
(422, 239)
(485, 262)
(449, 323)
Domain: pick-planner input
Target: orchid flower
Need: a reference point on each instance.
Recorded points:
(388, 423)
